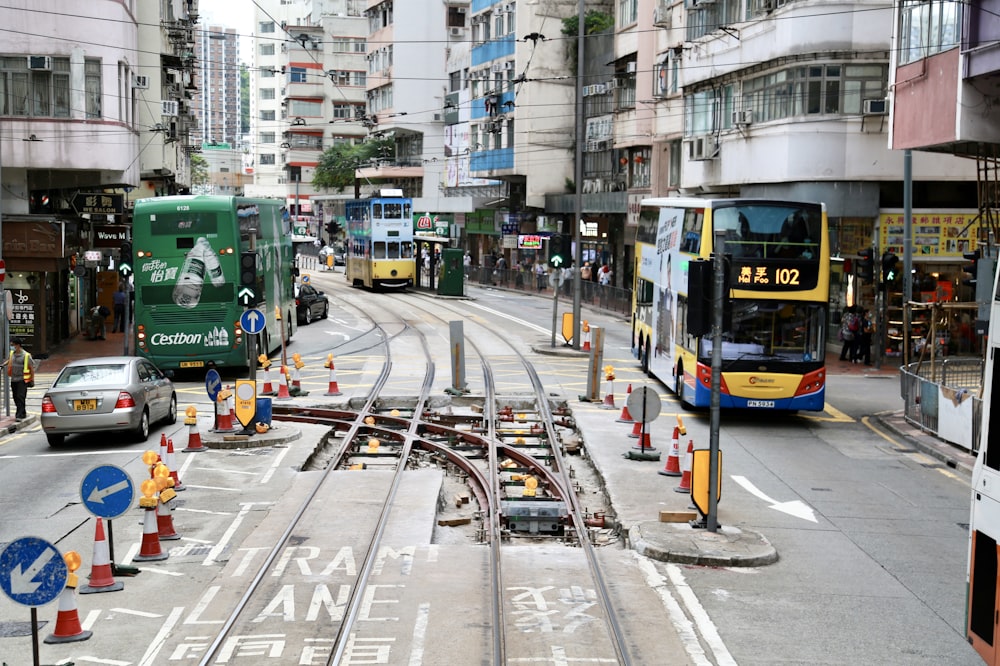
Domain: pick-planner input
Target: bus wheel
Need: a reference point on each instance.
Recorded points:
(679, 384)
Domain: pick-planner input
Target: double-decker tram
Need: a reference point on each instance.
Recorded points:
(188, 282)
(778, 263)
(983, 584)
(380, 241)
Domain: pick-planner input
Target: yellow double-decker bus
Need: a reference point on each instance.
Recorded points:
(778, 264)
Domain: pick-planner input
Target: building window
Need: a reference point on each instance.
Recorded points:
(627, 12)
(266, 73)
(346, 111)
(267, 115)
(267, 93)
(297, 75)
(267, 159)
(299, 107)
(625, 91)
(926, 28)
(266, 26)
(348, 45)
(92, 83)
(674, 174)
(813, 90)
(267, 137)
(267, 49)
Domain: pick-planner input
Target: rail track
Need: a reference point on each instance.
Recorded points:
(475, 496)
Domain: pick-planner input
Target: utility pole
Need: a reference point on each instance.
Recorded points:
(578, 175)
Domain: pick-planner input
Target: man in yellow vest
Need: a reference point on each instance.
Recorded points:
(21, 370)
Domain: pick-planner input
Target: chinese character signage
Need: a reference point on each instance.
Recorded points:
(934, 234)
(22, 312)
(98, 204)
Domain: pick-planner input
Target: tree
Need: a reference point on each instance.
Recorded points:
(337, 164)
(199, 169)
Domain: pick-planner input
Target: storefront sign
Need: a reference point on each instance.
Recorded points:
(935, 234)
(22, 312)
(529, 242)
(108, 235)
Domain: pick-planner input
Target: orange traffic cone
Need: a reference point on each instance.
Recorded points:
(194, 437)
(685, 485)
(150, 550)
(266, 389)
(636, 430)
(163, 451)
(333, 389)
(609, 397)
(223, 417)
(296, 379)
(178, 486)
(231, 403)
(165, 523)
(101, 577)
(68, 628)
(283, 393)
(586, 339)
(626, 417)
(673, 467)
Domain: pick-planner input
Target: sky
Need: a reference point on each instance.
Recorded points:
(237, 14)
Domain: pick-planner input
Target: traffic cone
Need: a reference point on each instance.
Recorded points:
(673, 467)
(626, 417)
(223, 417)
(194, 437)
(296, 379)
(266, 389)
(68, 629)
(685, 485)
(609, 397)
(636, 430)
(165, 523)
(283, 393)
(101, 576)
(162, 452)
(178, 486)
(231, 404)
(333, 388)
(150, 550)
(586, 339)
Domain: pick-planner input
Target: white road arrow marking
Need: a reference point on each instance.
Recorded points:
(98, 494)
(795, 508)
(338, 333)
(20, 579)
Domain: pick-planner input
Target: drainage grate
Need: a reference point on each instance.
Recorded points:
(18, 629)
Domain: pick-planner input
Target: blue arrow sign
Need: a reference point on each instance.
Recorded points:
(32, 571)
(252, 321)
(107, 491)
(213, 384)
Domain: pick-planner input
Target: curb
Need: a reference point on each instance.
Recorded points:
(683, 544)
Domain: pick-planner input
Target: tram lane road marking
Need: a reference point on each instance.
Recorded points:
(796, 508)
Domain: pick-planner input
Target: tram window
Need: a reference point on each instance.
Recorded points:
(393, 251)
(376, 210)
(406, 251)
(378, 250)
(393, 211)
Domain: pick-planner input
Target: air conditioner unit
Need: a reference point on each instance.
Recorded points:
(876, 107)
(661, 15)
(744, 117)
(140, 82)
(599, 88)
(40, 62)
(612, 84)
(462, 10)
(457, 32)
(509, 7)
(702, 148)
(509, 64)
(168, 107)
(497, 67)
(630, 68)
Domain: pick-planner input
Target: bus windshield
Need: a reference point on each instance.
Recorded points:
(777, 330)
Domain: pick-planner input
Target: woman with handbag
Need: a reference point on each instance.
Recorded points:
(21, 370)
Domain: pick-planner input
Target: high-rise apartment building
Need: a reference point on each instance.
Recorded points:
(217, 103)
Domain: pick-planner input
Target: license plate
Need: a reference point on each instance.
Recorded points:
(192, 364)
(760, 403)
(84, 405)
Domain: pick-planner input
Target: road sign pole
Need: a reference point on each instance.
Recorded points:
(253, 358)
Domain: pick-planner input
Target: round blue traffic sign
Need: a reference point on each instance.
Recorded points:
(252, 321)
(32, 571)
(213, 384)
(107, 491)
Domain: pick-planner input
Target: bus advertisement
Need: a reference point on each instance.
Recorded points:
(187, 279)
(778, 265)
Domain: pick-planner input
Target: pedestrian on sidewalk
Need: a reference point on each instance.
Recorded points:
(864, 350)
(21, 370)
(119, 303)
(98, 322)
(849, 327)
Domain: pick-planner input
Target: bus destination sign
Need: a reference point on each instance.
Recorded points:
(774, 275)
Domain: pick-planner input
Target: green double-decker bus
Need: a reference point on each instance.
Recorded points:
(188, 283)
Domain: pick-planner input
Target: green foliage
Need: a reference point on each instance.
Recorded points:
(199, 169)
(337, 164)
(594, 22)
(570, 185)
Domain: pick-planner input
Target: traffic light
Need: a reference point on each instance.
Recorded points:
(333, 229)
(973, 268)
(889, 263)
(866, 265)
(557, 253)
(248, 279)
(125, 259)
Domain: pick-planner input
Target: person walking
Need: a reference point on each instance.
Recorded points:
(119, 305)
(21, 370)
(864, 350)
(849, 329)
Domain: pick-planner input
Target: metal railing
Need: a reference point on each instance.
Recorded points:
(944, 399)
(615, 299)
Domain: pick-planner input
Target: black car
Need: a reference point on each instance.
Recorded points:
(310, 303)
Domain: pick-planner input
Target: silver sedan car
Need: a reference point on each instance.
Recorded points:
(111, 393)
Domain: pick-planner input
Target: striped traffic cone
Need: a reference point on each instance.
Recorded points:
(178, 486)
(223, 417)
(625, 416)
(283, 393)
(101, 576)
(68, 628)
(609, 397)
(585, 337)
(296, 379)
(194, 437)
(636, 430)
(163, 451)
(150, 550)
(333, 388)
(231, 404)
(673, 467)
(165, 523)
(685, 485)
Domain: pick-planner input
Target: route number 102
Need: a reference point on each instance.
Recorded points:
(789, 276)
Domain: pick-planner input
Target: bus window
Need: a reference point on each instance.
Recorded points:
(691, 241)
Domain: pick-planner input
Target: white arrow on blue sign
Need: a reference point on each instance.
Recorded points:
(213, 384)
(252, 321)
(32, 571)
(107, 491)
